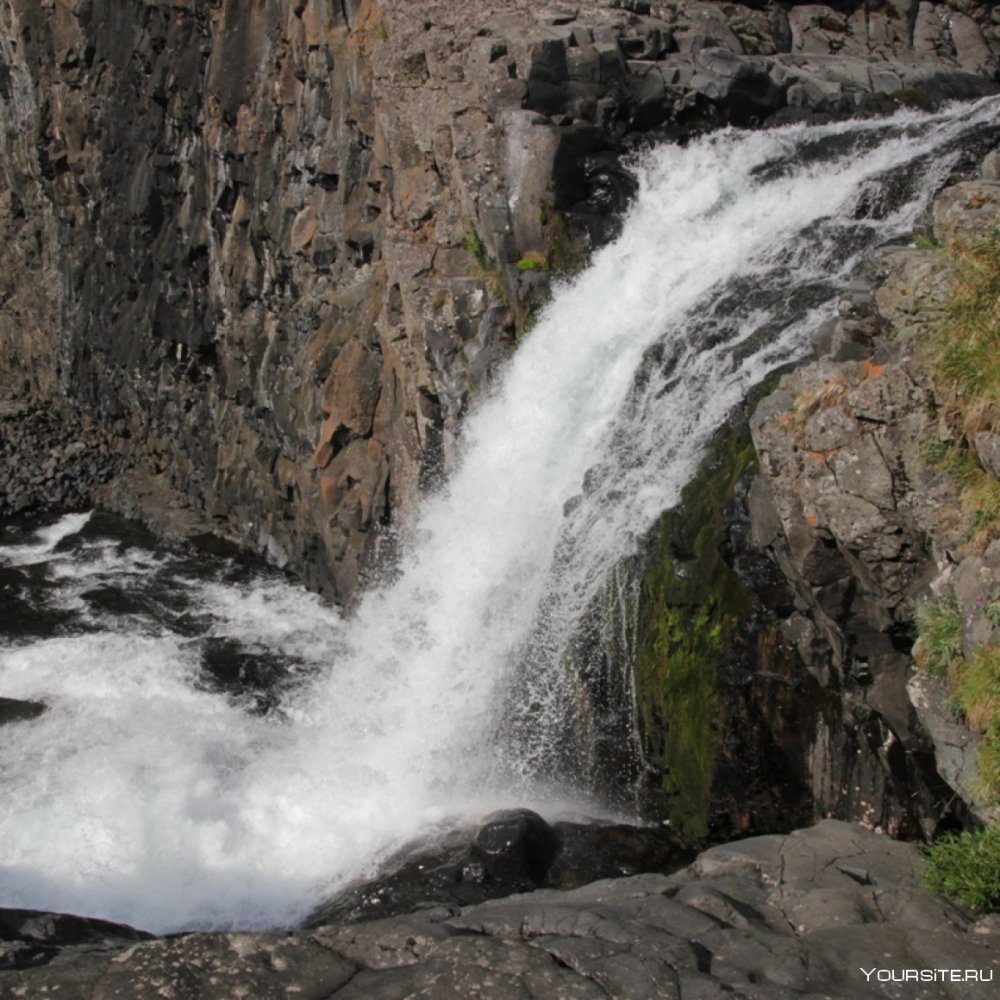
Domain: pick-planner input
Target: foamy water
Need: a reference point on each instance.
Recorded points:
(144, 795)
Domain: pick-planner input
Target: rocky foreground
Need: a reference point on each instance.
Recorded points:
(830, 911)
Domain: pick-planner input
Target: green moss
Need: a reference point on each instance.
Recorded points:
(690, 604)
(966, 867)
(474, 246)
(484, 267)
(532, 262)
(566, 252)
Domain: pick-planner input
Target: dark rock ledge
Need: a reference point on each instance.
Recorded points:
(771, 917)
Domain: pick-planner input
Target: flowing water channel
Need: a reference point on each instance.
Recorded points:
(222, 749)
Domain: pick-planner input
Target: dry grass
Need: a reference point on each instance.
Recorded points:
(975, 684)
(967, 362)
(823, 397)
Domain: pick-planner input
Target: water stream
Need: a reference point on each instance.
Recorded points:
(152, 792)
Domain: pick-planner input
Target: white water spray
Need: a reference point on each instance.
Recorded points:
(142, 797)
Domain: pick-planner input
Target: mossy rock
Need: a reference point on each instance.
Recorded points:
(691, 605)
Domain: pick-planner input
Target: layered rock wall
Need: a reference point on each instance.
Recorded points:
(864, 523)
(272, 248)
(779, 602)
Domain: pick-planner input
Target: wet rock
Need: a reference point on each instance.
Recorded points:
(780, 916)
(513, 851)
(14, 710)
(23, 612)
(839, 448)
(860, 521)
(516, 845)
(60, 929)
(31, 938)
(252, 677)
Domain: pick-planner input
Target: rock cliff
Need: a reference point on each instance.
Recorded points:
(261, 259)
(271, 252)
(851, 503)
(816, 697)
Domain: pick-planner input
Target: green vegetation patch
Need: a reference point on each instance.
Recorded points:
(967, 365)
(533, 261)
(474, 246)
(565, 251)
(974, 681)
(939, 636)
(980, 496)
(691, 602)
(967, 868)
(976, 689)
(966, 372)
(485, 268)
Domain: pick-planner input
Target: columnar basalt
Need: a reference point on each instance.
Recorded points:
(275, 250)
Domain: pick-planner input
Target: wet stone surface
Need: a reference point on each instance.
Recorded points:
(770, 918)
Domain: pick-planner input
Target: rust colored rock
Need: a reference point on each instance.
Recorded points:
(351, 391)
(328, 490)
(321, 22)
(304, 228)
(283, 195)
(323, 454)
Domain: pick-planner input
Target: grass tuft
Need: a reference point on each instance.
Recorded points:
(967, 362)
(485, 268)
(533, 261)
(979, 497)
(939, 636)
(966, 374)
(967, 868)
(976, 689)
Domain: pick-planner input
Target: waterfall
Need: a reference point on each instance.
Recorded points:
(145, 797)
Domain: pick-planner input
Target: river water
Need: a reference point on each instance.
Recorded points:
(222, 749)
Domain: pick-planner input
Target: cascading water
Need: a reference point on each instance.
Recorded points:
(143, 795)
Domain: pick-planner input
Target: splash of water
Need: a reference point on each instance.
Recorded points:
(143, 797)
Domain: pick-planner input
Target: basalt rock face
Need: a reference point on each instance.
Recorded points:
(840, 506)
(864, 525)
(52, 457)
(777, 604)
(748, 718)
(272, 250)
